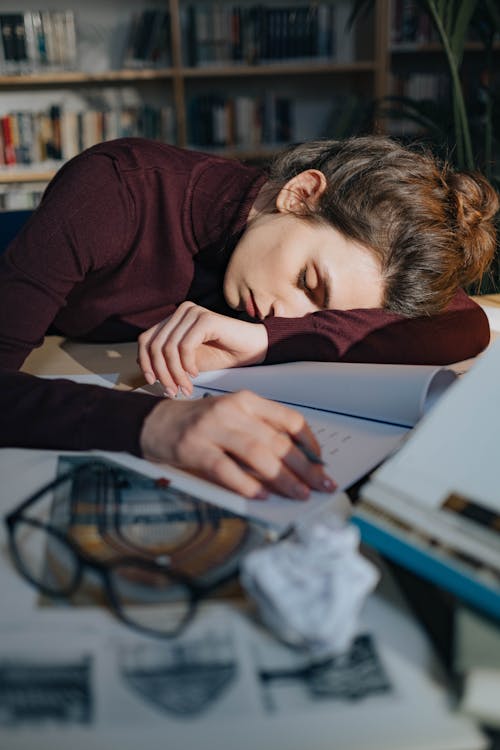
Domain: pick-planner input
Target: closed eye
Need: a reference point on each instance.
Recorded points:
(319, 293)
(302, 280)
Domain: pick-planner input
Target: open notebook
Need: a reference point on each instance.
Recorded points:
(360, 414)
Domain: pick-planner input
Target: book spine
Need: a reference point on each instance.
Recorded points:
(8, 140)
(8, 42)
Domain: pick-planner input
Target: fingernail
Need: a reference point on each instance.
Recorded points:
(328, 484)
(185, 392)
(150, 378)
(170, 392)
(261, 495)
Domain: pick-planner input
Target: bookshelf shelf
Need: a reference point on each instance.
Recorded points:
(19, 176)
(282, 68)
(356, 71)
(411, 48)
(75, 77)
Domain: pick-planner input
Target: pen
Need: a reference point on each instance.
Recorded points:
(308, 453)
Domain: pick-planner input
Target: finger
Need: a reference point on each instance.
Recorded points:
(292, 473)
(179, 349)
(189, 346)
(164, 354)
(309, 471)
(162, 371)
(261, 449)
(153, 337)
(295, 433)
(143, 358)
(221, 468)
(306, 439)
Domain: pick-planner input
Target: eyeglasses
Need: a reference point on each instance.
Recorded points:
(87, 504)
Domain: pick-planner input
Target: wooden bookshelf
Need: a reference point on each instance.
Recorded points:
(19, 175)
(366, 74)
(418, 71)
(71, 77)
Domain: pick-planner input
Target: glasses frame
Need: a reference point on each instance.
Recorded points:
(104, 570)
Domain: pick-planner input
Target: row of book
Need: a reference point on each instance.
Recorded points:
(221, 121)
(411, 23)
(271, 119)
(32, 138)
(148, 42)
(20, 197)
(215, 33)
(422, 86)
(47, 40)
(37, 40)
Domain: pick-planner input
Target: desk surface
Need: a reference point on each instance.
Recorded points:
(72, 676)
(59, 356)
(206, 687)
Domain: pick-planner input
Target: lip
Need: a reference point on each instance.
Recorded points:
(251, 307)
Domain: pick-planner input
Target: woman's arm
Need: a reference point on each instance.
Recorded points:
(459, 332)
(195, 339)
(240, 441)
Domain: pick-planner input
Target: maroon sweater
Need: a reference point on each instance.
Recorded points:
(128, 230)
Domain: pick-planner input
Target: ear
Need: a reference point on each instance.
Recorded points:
(301, 191)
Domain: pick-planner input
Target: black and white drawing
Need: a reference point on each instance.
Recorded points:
(356, 675)
(184, 677)
(41, 691)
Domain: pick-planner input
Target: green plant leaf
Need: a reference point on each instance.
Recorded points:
(360, 7)
(494, 11)
(460, 26)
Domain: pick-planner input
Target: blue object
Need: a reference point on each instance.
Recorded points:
(10, 224)
(431, 563)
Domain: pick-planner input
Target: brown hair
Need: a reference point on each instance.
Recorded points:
(431, 228)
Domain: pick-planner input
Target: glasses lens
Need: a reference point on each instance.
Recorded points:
(44, 557)
(149, 598)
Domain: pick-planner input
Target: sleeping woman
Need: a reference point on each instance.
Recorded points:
(353, 251)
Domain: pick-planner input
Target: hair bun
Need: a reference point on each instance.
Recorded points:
(475, 203)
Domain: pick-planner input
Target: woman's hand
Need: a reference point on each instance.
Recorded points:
(195, 339)
(239, 440)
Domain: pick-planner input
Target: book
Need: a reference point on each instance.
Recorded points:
(360, 414)
(8, 23)
(434, 506)
(466, 641)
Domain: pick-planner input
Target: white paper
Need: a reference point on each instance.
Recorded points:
(359, 413)
(350, 448)
(399, 394)
(106, 381)
(116, 689)
(493, 315)
(455, 449)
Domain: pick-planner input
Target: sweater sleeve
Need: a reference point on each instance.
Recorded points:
(379, 336)
(62, 415)
(78, 228)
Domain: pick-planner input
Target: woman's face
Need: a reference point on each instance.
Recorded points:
(287, 267)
